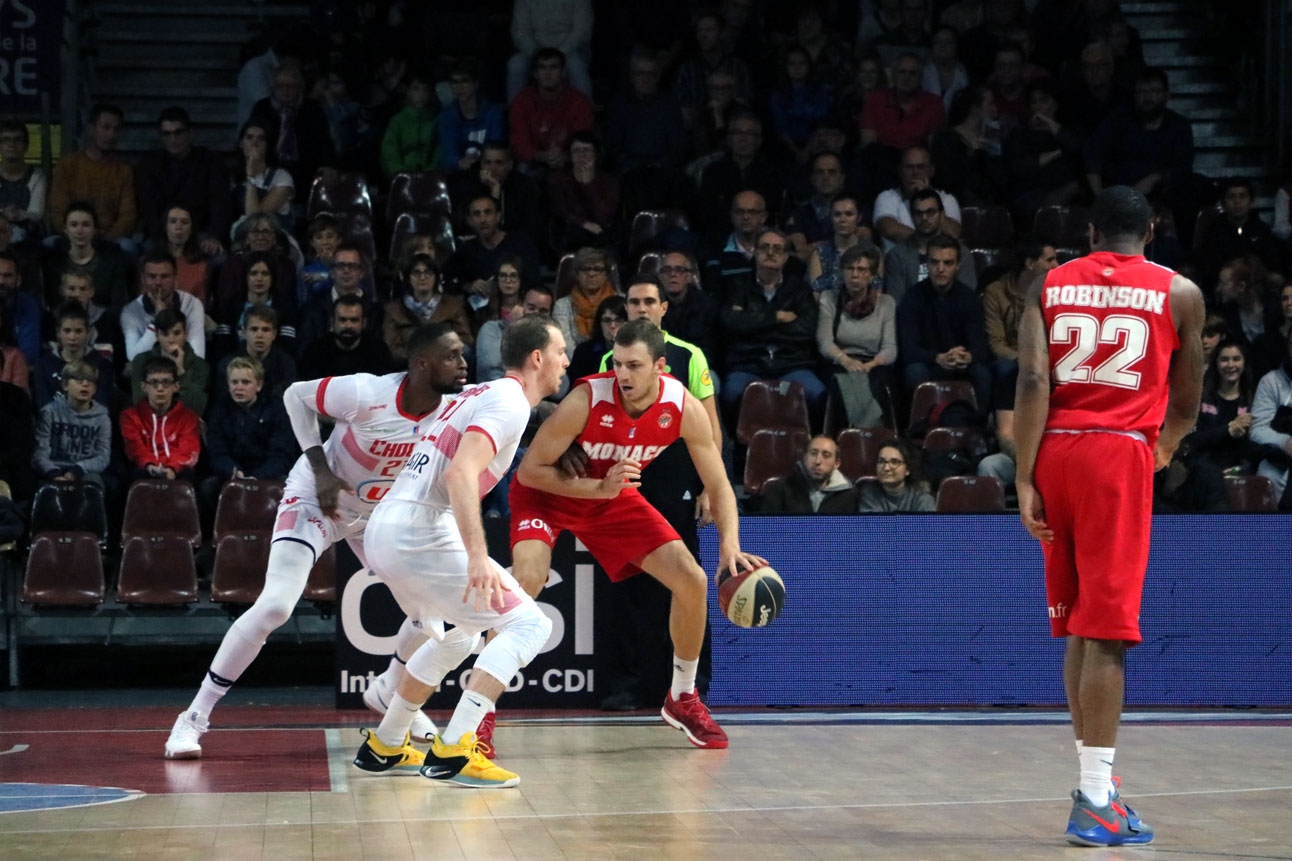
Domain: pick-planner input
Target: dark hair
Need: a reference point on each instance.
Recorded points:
(926, 194)
(964, 102)
(522, 337)
(16, 127)
(348, 300)
(466, 67)
(647, 278)
(1246, 382)
(322, 221)
(942, 240)
(862, 251)
(167, 319)
(425, 336)
(271, 146)
(72, 311)
(497, 144)
(1250, 271)
(823, 154)
(159, 364)
(262, 312)
(546, 54)
(785, 59)
(102, 108)
(191, 250)
(82, 206)
(1121, 212)
(1153, 75)
(589, 138)
(158, 255)
(174, 114)
(542, 289)
(613, 305)
(350, 246)
(1231, 182)
(1040, 85)
(1030, 246)
(915, 475)
(406, 267)
(266, 258)
(642, 332)
(1215, 324)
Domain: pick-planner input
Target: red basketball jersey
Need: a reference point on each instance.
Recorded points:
(1111, 337)
(610, 435)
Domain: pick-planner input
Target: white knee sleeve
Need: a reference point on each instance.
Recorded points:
(521, 634)
(408, 641)
(285, 577)
(435, 659)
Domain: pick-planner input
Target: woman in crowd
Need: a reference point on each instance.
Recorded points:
(78, 246)
(262, 187)
(944, 74)
(857, 333)
(585, 199)
(576, 313)
(823, 263)
(263, 284)
(798, 104)
(968, 151)
(421, 299)
(901, 486)
(1249, 307)
(1043, 157)
(611, 314)
(1225, 417)
(22, 186)
(192, 268)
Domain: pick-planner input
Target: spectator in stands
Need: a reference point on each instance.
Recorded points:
(506, 296)
(944, 74)
(877, 19)
(192, 373)
(1221, 437)
(71, 344)
(857, 333)
(477, 257)
(342, 110)
(161, 436)
(295, 127)
(1238, 232)
(744, 167)
(262, 186)
(517, 196)
(95, 175)
(259, 340)
(1003, 302)
(192, 265)
(748, 218)
(892, 216)
(420, 300)
(769, 320)
(708, 124)
(585, 199)
(1188, 485)
(78, 246)
(901, 116)
(23, 187)
(586, 359)
(1215, 331)
(324, 234)
(907, 262)
(940, 332)
(73, 431)
(538, 300)
(576, 314)
(247, 435)
(1250, 309)
(262, 232)
(20, 310)
(28, 255)
(14, 370)
(157, 291)
(316, 318)
(910, 37)
(1272, 424)
(848, 232)
(543, 115)
(76, 286)
(1008, 84)
(812, 220)
(901, 486)
(850, 102)
(1043, 156)
(815, 486)
(709, 56)
(1267, 345)
(798, 103)
(262, 287)
(1149, 146)
(256, 77)
(16, 439)
(831, 56)
(692, 313)
(968, 151)
(468, 121)
(645, 134)
(550, 25)
(1095, 96)
(349, 348)
(191, 177)
(411, 142)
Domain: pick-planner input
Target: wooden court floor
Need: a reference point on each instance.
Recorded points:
(276, 784)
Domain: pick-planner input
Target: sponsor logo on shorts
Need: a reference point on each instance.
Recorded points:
(534, 523)
(1059, 611)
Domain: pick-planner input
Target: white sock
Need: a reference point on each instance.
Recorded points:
(210, 692)
(683, 676)
(1097, 774)
(1078, 748)
(467, 716)
(395, 723)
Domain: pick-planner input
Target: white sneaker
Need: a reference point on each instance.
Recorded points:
(183, 741)
(377, 697)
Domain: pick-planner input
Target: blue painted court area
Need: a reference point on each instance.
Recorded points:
(18, 797)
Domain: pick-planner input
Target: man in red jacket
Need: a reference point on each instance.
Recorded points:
(161, 436)
(546, 113)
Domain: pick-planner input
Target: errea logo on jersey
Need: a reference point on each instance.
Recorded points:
(607, 421)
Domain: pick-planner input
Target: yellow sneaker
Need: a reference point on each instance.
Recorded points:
(375, 756)
(464, 764)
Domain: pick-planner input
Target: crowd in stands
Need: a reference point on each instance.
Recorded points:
(809, 172)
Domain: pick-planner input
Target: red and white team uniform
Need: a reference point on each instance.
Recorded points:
(618, 531)
(1110, 338)
(413, 539)
(371, 441)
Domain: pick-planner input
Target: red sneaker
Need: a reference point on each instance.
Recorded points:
(691, 716)
(484, 734)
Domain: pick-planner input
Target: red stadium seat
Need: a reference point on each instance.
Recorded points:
(651, 223)
(1065, 227)
(935, 394)
(247, 505)
(160, 507)
(982, 494)
(239, 572)
(346, 192)
(956, 439)
(772, 454)
(1249, 493)
(70, 507)
(775, 404)
(859, 449)
(436, 225)
(157, 570)
(64, 569)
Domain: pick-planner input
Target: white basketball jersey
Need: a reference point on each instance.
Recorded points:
(372, 437)
(497, 409)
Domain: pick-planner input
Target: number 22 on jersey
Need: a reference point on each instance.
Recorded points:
(1084, 334)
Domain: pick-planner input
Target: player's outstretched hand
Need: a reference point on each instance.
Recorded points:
(329, 487)
(1032, 509)
(483, 579)
(736, 560)
(625, 473)
(574, 463)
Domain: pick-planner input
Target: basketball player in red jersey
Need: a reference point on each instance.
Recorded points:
(622, 419)
(1110, 378)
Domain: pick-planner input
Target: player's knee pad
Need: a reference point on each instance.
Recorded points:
(435, 659)
(521, 634)
(285, 577)
(408, 641)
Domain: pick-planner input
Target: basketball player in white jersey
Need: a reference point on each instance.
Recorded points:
(329, 494)
(427, 542)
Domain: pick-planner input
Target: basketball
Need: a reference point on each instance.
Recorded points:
(751, 599)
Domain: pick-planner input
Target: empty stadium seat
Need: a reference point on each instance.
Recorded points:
(157, 570)
(650, 224)
(773, 404)
(772, 454)
(64, 569)
(986, 227)
(421, 193)
(1249, 493)
(436, 225)
(346, 192)
(238, 575)
(1202, 224)
(956, 439)
(161, 507)
(981, 494)
(1065, 227)
(650, 262)
(859, 449)
(70, 507)
(247, 505)
(935, 394)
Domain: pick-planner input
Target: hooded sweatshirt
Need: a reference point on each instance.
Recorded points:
(172, 440)
(67, 440)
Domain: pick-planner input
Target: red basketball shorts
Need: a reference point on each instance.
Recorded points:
(618, 532)
(1098, 494)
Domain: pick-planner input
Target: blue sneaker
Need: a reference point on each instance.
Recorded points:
(1131, 817)
(1103, 826)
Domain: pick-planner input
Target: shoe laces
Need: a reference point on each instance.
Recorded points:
(483, 747)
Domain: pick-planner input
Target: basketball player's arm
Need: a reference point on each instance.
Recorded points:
(541, 467)
(707, 458)
(1189, 312)
(1031, 406)
(462, 484)
(301, 400)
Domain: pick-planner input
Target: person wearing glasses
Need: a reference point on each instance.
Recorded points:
(315, 320)
(421, 299)
(158, 290)
(161, 436)
(692, 313)
(901, 485)
(857, 333)
(892, 213)
(182, 174)
(907, 261)
(576, 313)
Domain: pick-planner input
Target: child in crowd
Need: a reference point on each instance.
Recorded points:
(191, 370)
(73, 431)
(316, 274)
(72, 333)
(161, 435)
(410, 141)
